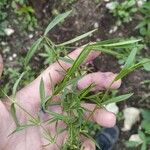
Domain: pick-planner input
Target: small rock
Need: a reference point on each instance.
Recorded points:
(120, 34)
(111, 5)
(10, 58)
(114, 29)
(14, 55)
(9, 31)
(30, 36)
(140, 2)
(112, 107)
(131, 116)
(3, 43)
(135, 138)
(96, 25)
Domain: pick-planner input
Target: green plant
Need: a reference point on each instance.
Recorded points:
(125, 52)
(72, 98)
(144, 25)
(3, 15)
(144, 132)
(97, 1)
(11, 74)
(122, 10)
(25, 14)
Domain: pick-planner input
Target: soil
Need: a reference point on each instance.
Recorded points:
(86, 16)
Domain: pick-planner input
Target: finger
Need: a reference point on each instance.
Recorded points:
(88, 145)
(101, 116)
(101, 81)
(55, 69)
(52, 75)
(6, 125)
(1, 65)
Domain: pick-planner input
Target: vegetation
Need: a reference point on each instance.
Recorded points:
(72, 99)
(123, 11)
(144, 25)
(127, 51)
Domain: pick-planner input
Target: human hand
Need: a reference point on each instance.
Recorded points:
(28, 98)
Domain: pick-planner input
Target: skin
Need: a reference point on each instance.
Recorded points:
(28, 98)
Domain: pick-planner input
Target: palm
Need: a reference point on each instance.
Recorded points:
(32, 138)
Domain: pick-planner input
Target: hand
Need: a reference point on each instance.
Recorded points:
(28, 98)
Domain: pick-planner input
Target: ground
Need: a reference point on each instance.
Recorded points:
(87, 15)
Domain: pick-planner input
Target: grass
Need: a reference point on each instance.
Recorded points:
(72, 99)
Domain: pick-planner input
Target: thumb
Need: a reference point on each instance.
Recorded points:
(1, 65)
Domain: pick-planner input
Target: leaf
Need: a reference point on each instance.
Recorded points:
(13, 113)
(85, 91)
(147, 65)
(57, 115)
(117, 99)
(32, 50)
(131, 144)
(55, 21)
(120, 43)
(20, 128)
(16, 85)
(146, 114)
(146, 126)
(67, 60)
(144, 147)
(126, 71)
(141, 135)
(42, 91)
(141, 24)
(107, 51)
(106, 46)
(72, 70)
(77, 38)
(131, 58)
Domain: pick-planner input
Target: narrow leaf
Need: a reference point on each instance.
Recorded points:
(32, 50)
(131, 58)
(72, 70)
(77, 38)
(57, 115)
(120, 43)
(16, 84)
(20, 128)
(42, 90)
(55, 21)
(107, 51)
(67, 60)
(117, 99)
(126, 71)
(13, 113)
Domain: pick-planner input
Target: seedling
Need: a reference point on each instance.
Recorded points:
(71, 98)
(123, 11)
